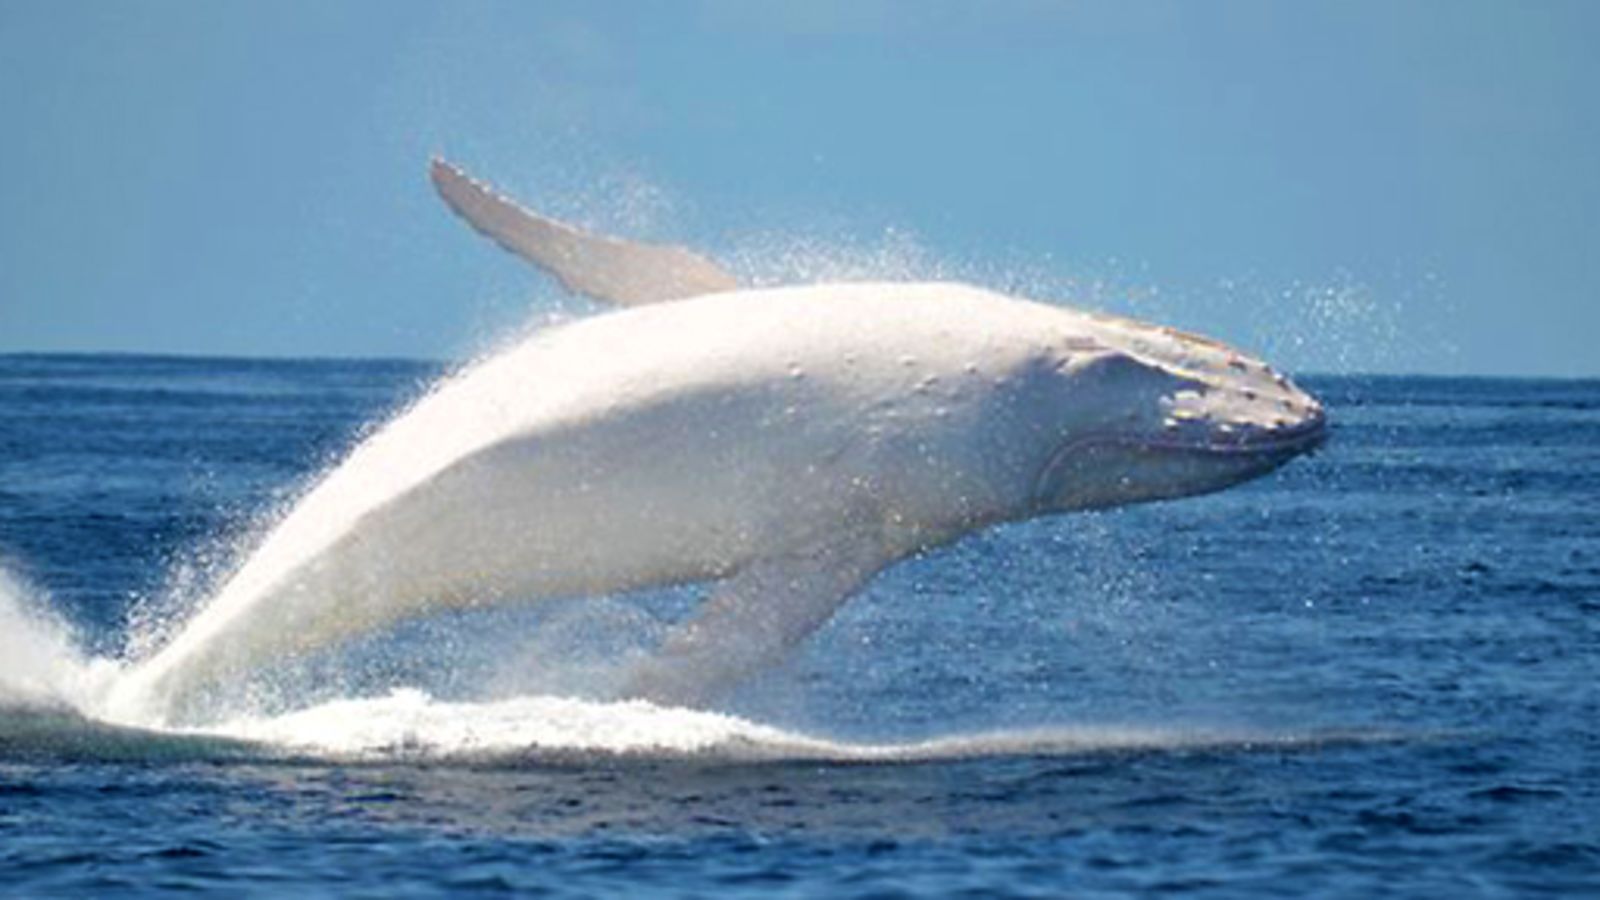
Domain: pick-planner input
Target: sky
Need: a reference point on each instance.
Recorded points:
(1342, 186)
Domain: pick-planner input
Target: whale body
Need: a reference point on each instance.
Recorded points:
(784, 444)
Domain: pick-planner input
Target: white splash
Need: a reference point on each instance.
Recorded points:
(409, 725)
(40, 663)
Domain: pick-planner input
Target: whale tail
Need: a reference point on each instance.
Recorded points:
(604, 268)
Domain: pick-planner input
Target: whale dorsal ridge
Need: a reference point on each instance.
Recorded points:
(604, 268)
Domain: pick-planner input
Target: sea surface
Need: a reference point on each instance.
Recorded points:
(1373, 673)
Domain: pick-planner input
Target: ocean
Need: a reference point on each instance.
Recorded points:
(1371, 673)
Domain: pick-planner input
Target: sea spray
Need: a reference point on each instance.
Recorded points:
(411, 726)
(41, 664)
(390, 460)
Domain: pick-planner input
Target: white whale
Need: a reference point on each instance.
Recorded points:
(786, 444)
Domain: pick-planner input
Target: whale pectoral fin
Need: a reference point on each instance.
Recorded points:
(749, 623)
(605, 268)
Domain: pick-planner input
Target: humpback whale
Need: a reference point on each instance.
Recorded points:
(783, 445)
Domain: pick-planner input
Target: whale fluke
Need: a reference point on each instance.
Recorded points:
(615, 271)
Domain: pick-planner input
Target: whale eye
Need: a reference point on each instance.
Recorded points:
(1112, 367)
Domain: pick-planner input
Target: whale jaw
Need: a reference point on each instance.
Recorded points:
(1103, 471)
(1171, 414)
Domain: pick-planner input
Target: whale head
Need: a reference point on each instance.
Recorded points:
(1159, 413)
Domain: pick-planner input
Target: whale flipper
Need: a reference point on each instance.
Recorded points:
(750, 622)
(605, 268)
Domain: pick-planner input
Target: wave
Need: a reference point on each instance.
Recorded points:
(54, 709)
(409, 726)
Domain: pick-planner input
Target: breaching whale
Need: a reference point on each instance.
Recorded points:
(785, 444)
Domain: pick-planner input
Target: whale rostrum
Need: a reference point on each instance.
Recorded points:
(784, 445)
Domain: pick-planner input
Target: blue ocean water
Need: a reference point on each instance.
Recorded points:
(1371, 673)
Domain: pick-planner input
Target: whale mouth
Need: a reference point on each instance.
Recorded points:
(1200, 462)
(1290, 440)
(1301, 437)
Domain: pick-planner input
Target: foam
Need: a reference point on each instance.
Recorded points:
(53, 706)
(409, 725)
(41, 665)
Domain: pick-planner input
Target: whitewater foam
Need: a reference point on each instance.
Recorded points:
(53, 705)
(408, 725)
(41, 664)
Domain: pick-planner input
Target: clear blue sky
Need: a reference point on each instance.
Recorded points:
(1397, 186)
